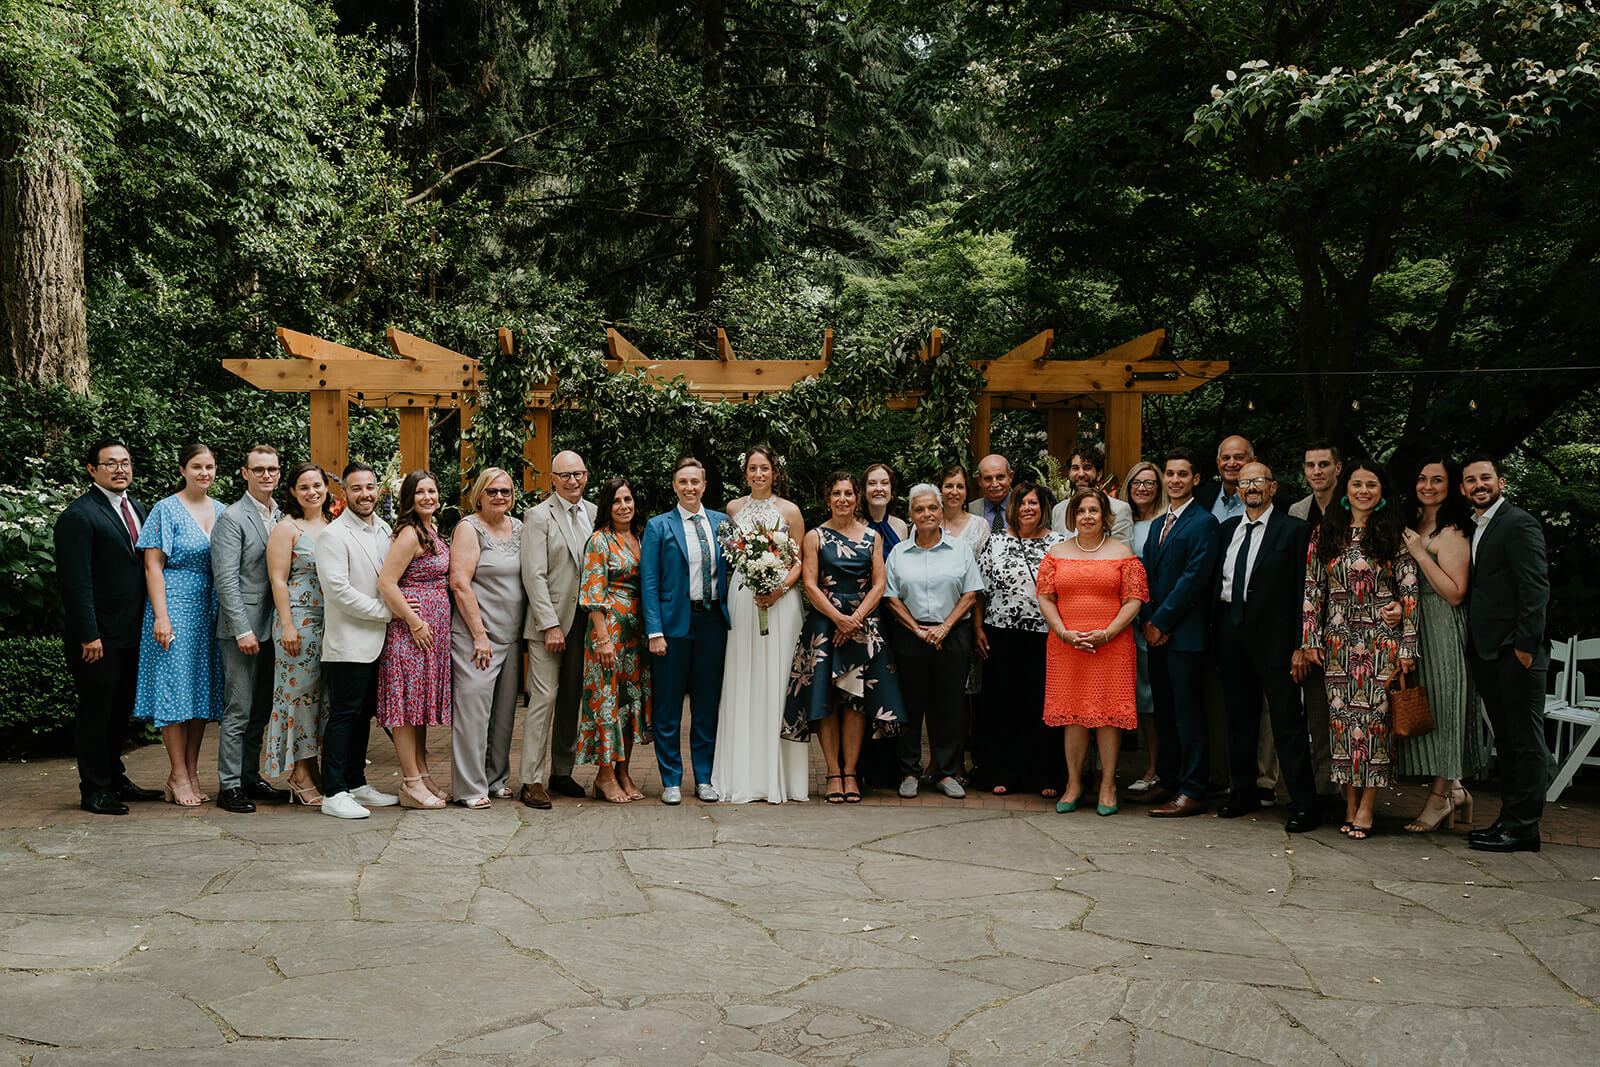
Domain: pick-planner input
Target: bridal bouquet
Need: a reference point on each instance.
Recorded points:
(759, 555)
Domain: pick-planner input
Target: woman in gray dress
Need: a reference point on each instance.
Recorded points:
(485, 636)
(1439, 537)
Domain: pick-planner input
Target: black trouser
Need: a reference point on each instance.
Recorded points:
(1012, 743)
(352, 701)
(1177, 682)
(1513, 695)
(1246, 679)
(933, 683)
(106, 690)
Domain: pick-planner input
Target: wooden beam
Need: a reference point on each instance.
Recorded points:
(305, 346)
(508, 343)
(413, 439)
(468, 454)
(375, 376)
(1068, 377)
(406, 346)
(1124, 442)
(536, 451)
(978, 440)
(934, 346)
(724, 349)
(740, 376)
(1035, 348)
(330, 430)
(1143, 347)
(620, 348)
(1061, 432)
(827, 344)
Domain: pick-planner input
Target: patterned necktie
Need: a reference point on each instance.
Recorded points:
(1166, 527)
(1241, 574)
(127, 518)
(998, 523)
(708, 580)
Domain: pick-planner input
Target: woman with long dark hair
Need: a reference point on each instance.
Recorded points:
(414, 671)
(1356, 566)
(615, 714)
(1438, 535)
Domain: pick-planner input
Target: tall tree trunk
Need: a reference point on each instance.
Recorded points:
(708, 193)
(44, 335)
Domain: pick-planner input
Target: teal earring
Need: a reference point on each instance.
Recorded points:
(1344, 502)
(1382, 504)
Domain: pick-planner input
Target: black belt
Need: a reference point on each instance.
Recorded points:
(702, 605)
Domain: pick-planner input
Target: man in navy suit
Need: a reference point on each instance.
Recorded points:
(102, 599)
(1508, 590)
(1180, 556)
(1258, 592)
(684, 584)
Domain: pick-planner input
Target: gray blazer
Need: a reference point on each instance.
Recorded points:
(552, 560)
(239, 571)
(1301, 509)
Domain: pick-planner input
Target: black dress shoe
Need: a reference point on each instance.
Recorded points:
(235, 801)
(104, 802)
(566, 786)
(1237, 806)
(1494, 829)
(1505, 841)
(126, 790)
(265, 791)
(1302, 822)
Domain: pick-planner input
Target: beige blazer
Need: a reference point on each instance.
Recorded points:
(552, 559)
(354, 616)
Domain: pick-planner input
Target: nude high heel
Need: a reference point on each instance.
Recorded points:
(1447, 816)
(1462, 800)
(409, 799)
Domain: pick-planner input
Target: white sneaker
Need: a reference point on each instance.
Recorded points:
(951, 788)
(707, 794)
(366, 794)
(671, 795)
(343, 806)
(908, 786)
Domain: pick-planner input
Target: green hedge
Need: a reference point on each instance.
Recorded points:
(36, 697)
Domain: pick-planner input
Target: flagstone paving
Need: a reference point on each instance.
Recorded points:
(850, 936)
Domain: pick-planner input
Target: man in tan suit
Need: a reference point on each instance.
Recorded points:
(553, 535)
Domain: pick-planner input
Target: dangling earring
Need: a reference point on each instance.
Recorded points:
(1382, 504)
(1344, 502)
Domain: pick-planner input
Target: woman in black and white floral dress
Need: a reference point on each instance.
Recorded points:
(1013, 747)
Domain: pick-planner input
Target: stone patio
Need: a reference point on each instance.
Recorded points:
(878, 935)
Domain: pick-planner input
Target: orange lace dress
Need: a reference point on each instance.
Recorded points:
(1096, 688)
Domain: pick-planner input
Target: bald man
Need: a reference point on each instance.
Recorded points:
(1221, 497)
(994, 478)
(553, 535)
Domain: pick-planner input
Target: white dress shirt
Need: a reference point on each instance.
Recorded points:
(1481, 523)
(1233, 554)
(691, 540)
(269, 512)
(116, 500)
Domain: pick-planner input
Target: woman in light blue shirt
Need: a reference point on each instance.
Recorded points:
(932, 590)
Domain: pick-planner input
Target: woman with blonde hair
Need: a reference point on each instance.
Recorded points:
(485, 636)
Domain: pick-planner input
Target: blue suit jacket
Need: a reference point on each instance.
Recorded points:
(1181, 573)
(664, 574)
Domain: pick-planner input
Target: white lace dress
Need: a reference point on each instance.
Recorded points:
(751, 761)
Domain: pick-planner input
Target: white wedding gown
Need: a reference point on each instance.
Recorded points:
(751, 762)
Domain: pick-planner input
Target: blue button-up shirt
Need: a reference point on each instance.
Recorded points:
(929, 581)
(1226, 507)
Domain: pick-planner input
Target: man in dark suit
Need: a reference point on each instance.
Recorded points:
(1180, 555)
(1259, 589)
(1508, 588)
(102, 599)
(1222, 497)
(683, 580)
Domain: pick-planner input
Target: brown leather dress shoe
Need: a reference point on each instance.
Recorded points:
(1179, 807)
(535, 796)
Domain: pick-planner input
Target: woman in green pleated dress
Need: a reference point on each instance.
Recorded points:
(1439, 538)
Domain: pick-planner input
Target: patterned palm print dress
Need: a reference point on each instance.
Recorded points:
(859, 673)
(616, 703)
(1341, 617)
(299, 704)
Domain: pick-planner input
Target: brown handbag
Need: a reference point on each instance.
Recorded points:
(1408, 708)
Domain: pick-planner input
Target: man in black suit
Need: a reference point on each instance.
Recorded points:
(102, 599)
(1180, 556)
(1508, 588)
(1222, 497)
(1258, 593)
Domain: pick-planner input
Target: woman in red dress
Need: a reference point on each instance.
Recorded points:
(1090, 589)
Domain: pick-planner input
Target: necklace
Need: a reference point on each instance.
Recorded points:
(1096, 548)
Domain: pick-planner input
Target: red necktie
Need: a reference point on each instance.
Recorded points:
(127, 518)
(1166, 527)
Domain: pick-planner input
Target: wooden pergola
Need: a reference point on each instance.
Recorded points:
(429, 378)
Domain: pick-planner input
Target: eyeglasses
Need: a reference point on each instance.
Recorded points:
(263, 471)
(1251, 483)
(1143, 483)
(497, 492)
(569, 476)
(117, 465)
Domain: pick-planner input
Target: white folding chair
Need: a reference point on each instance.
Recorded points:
(1576, 716)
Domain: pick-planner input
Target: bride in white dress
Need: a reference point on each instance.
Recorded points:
(751, 761)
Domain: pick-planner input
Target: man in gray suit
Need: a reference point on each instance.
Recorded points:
(553, 535)
(244, 633)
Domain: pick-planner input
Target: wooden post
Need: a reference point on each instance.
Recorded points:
(1061, 433)
(469, 405)
(413, 439)
(1123, 432)
(536, 452)
(330, 430)
(979, 439)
